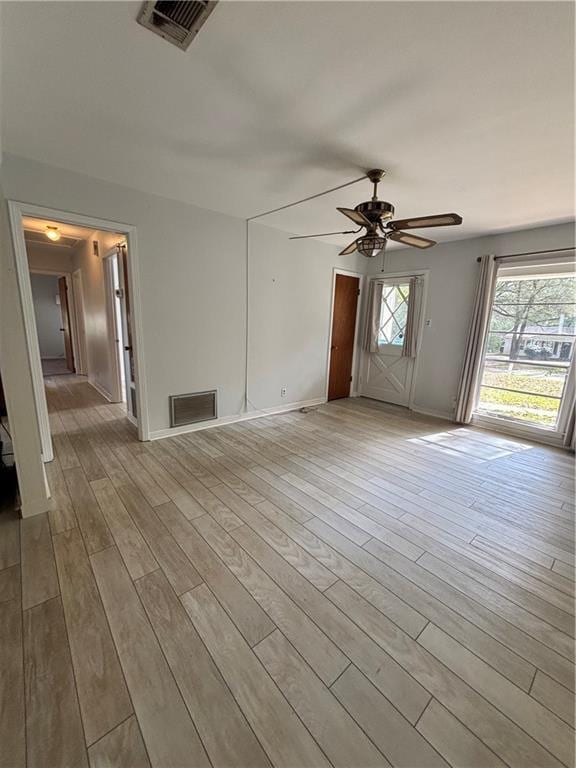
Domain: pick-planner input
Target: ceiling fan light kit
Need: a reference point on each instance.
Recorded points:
(370, 245)
(376, 217)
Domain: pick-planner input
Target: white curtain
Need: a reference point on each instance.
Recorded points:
(415, 294)
(471, 370)
(372, 327)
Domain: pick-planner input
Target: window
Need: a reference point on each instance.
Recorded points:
(393, 314)
(529, 348)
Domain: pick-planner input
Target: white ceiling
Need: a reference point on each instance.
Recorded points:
(36, 240)
(32, 224)
(467, 105)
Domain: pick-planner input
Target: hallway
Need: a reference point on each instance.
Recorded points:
(353, 586)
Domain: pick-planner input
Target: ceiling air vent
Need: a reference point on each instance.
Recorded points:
(188, 409)
(178, 22)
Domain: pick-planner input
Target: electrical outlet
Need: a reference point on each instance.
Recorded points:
(283, 392)
(428, 323)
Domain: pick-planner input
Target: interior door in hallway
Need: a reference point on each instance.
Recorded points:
(66, 324)
(346, 291)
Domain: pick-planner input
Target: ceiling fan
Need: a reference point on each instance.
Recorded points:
(375, 216)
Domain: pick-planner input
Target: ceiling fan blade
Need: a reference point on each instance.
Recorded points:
(357, 218)
(349, 249)
(441, 220)
(324, 234)
(414, 240)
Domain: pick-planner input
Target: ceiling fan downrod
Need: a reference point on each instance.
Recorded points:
(375, 177)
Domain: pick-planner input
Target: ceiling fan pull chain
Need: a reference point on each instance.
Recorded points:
(383, 259)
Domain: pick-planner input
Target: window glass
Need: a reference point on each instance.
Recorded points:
(393, 314)
(529, 349)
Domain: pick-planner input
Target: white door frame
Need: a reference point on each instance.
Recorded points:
(16, 212)
(355, 355)
(424, 274)
(75, 336)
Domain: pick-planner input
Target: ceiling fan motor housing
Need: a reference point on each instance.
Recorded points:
(376, 210)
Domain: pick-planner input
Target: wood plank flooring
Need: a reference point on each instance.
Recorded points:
(355, 586)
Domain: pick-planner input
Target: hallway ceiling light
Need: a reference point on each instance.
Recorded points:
(52, 233)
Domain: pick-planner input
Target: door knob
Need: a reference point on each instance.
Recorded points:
(128, 349)
(334, 347)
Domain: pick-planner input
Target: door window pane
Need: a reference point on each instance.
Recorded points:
(393, 314)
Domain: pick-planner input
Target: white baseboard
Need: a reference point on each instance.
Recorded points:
(431, 412)
(39, 504)
(36, 506)
(101, 391)
(158, 434)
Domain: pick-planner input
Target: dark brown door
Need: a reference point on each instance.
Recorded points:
(65, 312)
(343, 329)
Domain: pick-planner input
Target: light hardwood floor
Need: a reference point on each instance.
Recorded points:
(353, 586)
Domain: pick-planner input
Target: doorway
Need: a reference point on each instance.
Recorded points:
(86, 280)
(54, 322)
(345, 306)
(386, 373)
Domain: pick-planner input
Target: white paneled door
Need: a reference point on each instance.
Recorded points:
(387, 375)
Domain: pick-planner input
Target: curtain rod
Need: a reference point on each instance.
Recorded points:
(528, 253)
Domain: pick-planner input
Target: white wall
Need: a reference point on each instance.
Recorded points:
(193, 278)
(49, 257)
(290, 302)
(192, 274)
(48, 315)
(17, 380)
(16, 373)
(452, 283)
(99, 364)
